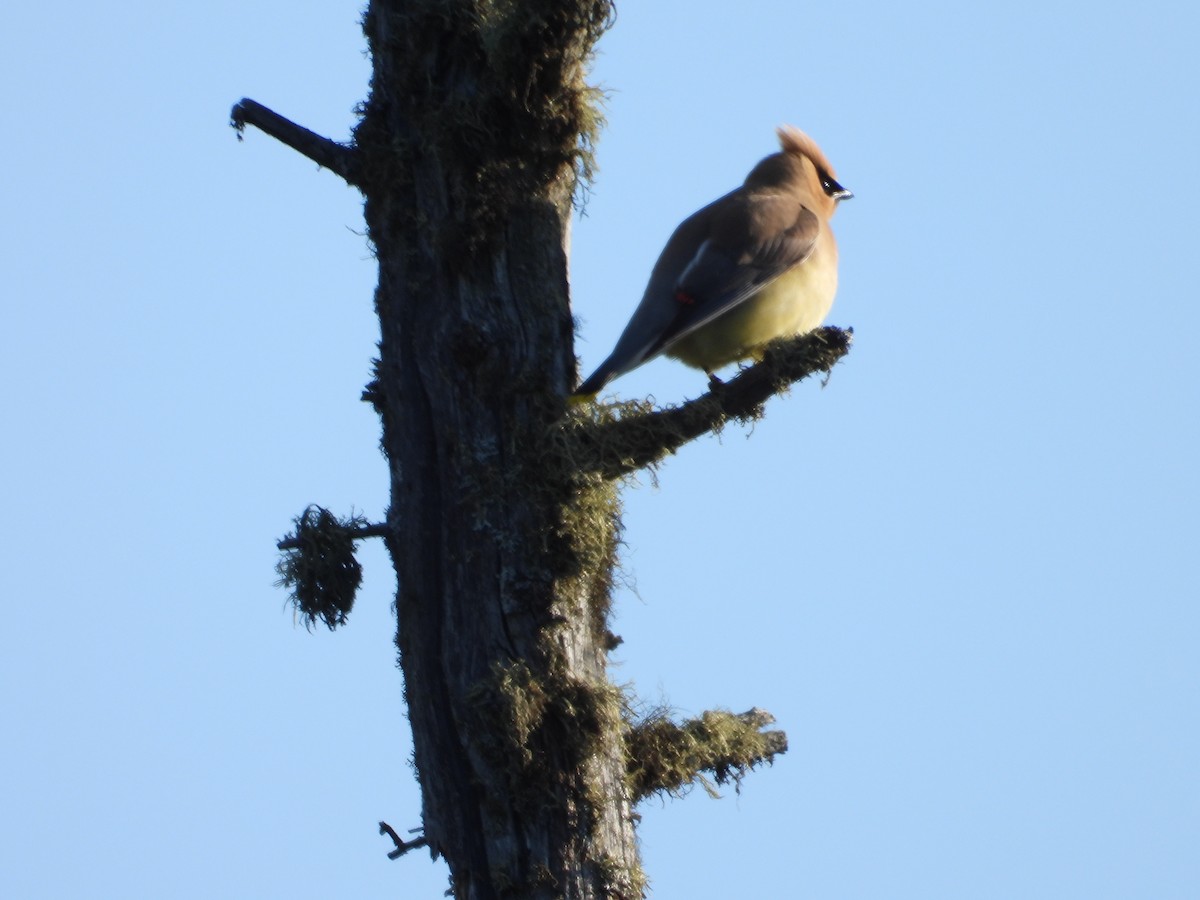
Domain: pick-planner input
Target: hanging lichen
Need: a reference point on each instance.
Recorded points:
(318, 566)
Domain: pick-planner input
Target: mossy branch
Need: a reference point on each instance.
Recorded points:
(338, 158)
(665, 757)
(318, 565)
(636, 437)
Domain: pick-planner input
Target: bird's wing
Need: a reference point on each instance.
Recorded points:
(716, 259)
(753, 241)
(656, 312)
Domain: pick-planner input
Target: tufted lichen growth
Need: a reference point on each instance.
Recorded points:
(318, 566)
(665, 757)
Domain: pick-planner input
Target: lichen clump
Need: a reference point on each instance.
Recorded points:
(522, 719)
(318, 566)
(665, 757)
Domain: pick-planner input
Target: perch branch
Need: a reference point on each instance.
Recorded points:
(636, 440)
(338, 158)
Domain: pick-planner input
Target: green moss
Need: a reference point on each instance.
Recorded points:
(591, 528)
(621, 883)
(535, 730)
(665, 757)
(582, 540)
(530, 727)
(493, 94)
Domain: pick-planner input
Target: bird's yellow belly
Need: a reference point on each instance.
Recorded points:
(796, 302)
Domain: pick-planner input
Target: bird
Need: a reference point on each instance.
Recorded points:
(756, 264)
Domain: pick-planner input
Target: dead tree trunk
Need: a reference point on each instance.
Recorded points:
(472, 136)
(503, 518)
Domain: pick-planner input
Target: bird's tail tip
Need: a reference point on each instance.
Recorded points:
(579, 398)
(592, 385)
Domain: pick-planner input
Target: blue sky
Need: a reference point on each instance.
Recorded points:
(963, 575)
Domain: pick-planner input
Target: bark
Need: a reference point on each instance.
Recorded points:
(469, 155)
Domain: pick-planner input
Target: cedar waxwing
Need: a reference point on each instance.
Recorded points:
(757, 264)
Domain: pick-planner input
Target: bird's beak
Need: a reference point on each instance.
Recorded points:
(833, 190)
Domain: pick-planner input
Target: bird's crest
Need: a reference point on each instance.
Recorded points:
(793, 140)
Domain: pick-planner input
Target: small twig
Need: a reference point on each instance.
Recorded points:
(402, 846)
(367, 531)
(338, 158)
